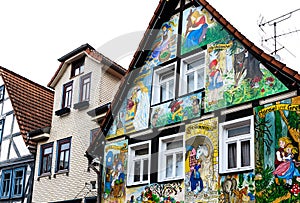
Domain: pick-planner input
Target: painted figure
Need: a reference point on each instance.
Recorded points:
(196, 107)
(176, 109)
(148, 194)
(215, 83)
(163, 44)
(287, 169)
(195, 179)
(196, 29)
(108, 174)
(282, 142)
(118, 181)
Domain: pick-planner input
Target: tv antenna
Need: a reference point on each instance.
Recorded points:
(274, 22)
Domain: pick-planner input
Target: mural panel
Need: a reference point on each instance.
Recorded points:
(234, 76)
(114, 171)
(158, 193)
(277, 147)
(201, 166)
(134, 112)
(237, 188)
(164, 47)
(199, 29)
(176, 111)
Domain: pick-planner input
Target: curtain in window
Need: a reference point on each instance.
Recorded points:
(245, 153)
(232, 155)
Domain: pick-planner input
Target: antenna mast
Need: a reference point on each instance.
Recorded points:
(274, 22)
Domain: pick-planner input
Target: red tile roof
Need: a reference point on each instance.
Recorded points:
(31, 102)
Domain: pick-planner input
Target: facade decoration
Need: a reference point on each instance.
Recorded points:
(277, 150)
(114, 177)
(201, 166)
(233, 75)
(184, 108)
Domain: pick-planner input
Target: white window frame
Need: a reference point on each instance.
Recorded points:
(184, 72)
(156, 92)
(163, 153)
(224, 141)
(132, 158)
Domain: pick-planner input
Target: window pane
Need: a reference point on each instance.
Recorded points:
(163, 92)
(245, 153)
(171, 89)
(6, 184)
(145, 170)
(232, 156)
(65, 146)
(18, 182)
(239, 131)
(179, 164)
(174, 144)
(48, 150)
(169, 167)
(137, 171)
(191, 82)
(200, 78)
(140, 152)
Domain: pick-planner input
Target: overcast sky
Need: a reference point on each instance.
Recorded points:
(35, 33)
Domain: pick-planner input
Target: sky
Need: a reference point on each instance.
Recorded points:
(35, 33)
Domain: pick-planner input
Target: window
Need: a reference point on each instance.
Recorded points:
(46, 158)
(237, 145)
(1, 128)
(170, 164)
(12, 183)
(63, 154)
(163, 84)
(1, 93)
(67, 95)
(77, 67)
(139, 167)
(85, 86)
(192, 74)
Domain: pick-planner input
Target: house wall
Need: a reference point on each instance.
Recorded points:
(77, 125)
(13, 152)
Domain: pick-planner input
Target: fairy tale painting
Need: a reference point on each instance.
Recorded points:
(114, 172)
(277, 146)
(201, 142)
(235, 76)
(198, 29)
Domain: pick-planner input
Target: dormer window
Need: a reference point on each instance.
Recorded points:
(77, 67)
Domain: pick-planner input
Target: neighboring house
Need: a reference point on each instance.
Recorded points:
(84, 81)
(24, 106)
(203, 117)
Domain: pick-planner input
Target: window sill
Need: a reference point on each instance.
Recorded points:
(62, 112)
(65, 171)
(81, 105)
(170, 179)
(236, 170)
(44, 175)
(138, 183)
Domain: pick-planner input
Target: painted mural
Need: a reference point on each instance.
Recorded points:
(237, 188)
(234, 76)
(176, 111)
(201, 165)
(164, 46)
(114, 173)
(156, 193)
(277, 146)
(135, 109)
(198, 29)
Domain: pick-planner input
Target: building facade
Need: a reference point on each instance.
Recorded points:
(81, 84)
(204, 115)
(25, 106)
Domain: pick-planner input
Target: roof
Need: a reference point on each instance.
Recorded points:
(90, 51)
(259, 53)
(32, 103)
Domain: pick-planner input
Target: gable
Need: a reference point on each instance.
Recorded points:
(235, 71)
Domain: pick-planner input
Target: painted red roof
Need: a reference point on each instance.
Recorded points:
(31, 102)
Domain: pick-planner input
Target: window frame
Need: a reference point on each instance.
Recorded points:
(184, 72)
(83, 85)
(132, 158)
(12, 184)
(2, 92)
(163, 153)
(156, 86)
(77, 65)
(67, 102)
(224, 141)
(58, 154)
(2, 121)
(42, 156)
